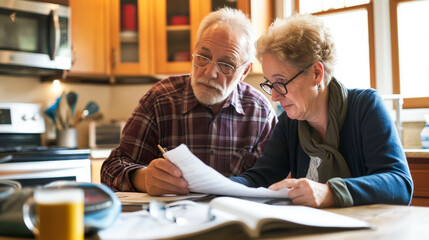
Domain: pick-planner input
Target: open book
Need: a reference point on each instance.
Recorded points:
(251, 217)
(204, 179)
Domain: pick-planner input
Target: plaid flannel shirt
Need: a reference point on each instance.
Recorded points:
(169, 115)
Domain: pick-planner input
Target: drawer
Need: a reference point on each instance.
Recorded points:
(419, 168)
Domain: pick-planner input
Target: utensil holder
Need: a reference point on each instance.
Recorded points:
(67, 138)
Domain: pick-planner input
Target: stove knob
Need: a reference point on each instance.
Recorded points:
(35, 118)
(24, 117)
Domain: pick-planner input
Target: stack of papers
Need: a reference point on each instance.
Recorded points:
(204, 179)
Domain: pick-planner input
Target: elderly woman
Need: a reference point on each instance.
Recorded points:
(339, 145)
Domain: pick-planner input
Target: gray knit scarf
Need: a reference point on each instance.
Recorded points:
(333, 163)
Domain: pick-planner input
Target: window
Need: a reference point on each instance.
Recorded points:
(410, 50)
(356, 49)
(353, 37)
(314, 6)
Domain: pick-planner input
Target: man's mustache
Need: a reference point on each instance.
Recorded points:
(210, 83)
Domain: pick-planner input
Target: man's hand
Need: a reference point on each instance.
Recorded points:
(306, 192)
(160, 177)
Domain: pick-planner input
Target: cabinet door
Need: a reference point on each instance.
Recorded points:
(173, 35)
(89, 37)
(177, 24)
(213, 5)
(131, 36)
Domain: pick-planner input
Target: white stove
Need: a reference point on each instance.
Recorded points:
(22, 158)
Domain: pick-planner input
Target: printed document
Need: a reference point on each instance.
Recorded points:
(204, 179)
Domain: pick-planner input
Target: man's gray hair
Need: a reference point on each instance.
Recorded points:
(238, 22)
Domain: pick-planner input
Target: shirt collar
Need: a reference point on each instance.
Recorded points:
(190, 101)
(236, 99)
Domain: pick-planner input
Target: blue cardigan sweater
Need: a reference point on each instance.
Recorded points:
(368, 141)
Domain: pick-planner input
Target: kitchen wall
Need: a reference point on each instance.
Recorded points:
(31, 90)
(116, 102)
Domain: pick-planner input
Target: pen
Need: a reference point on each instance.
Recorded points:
(163, 150)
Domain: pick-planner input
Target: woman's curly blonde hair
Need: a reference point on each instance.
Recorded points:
(300, 39)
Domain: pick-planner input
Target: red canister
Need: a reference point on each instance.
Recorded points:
(129, 17)
(179, 20)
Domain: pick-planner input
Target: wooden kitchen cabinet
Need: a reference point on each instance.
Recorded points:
(101, 46)
(177, 23)
(88, 36)
(131, 34)
(160, 40)
(96, 169)
(419, 168)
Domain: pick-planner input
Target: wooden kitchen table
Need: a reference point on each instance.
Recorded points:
(389, 222)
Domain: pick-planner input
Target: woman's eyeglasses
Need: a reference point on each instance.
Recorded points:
(280, 87)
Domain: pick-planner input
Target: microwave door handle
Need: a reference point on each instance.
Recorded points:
(55, 37)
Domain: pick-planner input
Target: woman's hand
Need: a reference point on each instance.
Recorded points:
(306, 192)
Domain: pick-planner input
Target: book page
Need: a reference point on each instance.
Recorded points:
(258, 215)
(204, 179)
(252, 217)
(141, 226)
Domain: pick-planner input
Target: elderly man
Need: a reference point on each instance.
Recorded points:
(224, 121)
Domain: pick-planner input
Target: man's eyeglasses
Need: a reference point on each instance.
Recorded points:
(225, 68)
(280, 87)
(183, 212)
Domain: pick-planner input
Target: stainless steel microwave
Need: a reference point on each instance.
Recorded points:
(34, 35)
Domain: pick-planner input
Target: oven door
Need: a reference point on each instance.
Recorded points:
(43, 172)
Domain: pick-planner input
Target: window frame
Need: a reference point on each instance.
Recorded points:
(371, 37)
(409, 102)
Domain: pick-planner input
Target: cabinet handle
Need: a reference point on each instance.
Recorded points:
(114, 57)
(74, 57)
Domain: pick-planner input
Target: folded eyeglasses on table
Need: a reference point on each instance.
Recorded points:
(181, 212)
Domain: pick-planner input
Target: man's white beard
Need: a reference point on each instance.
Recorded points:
(213, 95)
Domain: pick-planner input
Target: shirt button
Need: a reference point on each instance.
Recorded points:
(211, 152)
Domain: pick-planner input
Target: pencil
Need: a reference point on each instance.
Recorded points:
(161, 149)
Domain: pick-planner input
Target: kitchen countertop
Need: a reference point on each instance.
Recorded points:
(409, 153)
(416, 153)
(100, 153)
